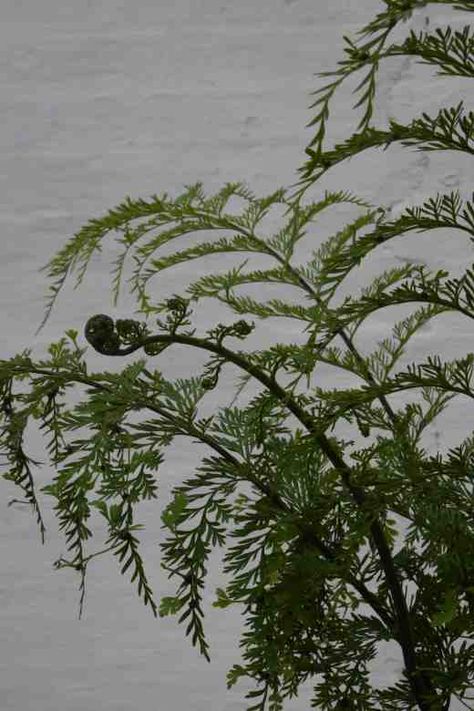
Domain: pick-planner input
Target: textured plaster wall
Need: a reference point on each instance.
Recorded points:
(103, 99)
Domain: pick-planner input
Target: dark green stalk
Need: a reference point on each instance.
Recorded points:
(309, 536)
(420, 682)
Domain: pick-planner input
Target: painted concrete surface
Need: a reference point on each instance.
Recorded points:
(106, 99)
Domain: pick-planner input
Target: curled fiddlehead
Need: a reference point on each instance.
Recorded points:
(100, 333)
(107, 336)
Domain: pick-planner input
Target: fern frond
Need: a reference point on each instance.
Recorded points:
(239, 243)
(454, 294)
(452, 52)
(437, 401)
(191, 210)
(441, 211)
(212, 284)
(217, 202)
(454, 377)
(382, 360)
(360, 54)
(186, 551)
(335, 259)
(126, 544)
(274, 307)
(286, 238)
(449, 130)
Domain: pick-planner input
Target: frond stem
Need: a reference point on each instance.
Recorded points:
(420, 682)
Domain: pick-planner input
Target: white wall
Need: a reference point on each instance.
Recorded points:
(106, 99)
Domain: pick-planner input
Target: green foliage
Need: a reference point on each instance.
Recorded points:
(293, 540)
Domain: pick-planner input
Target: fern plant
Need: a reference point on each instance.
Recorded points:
(293, 543)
